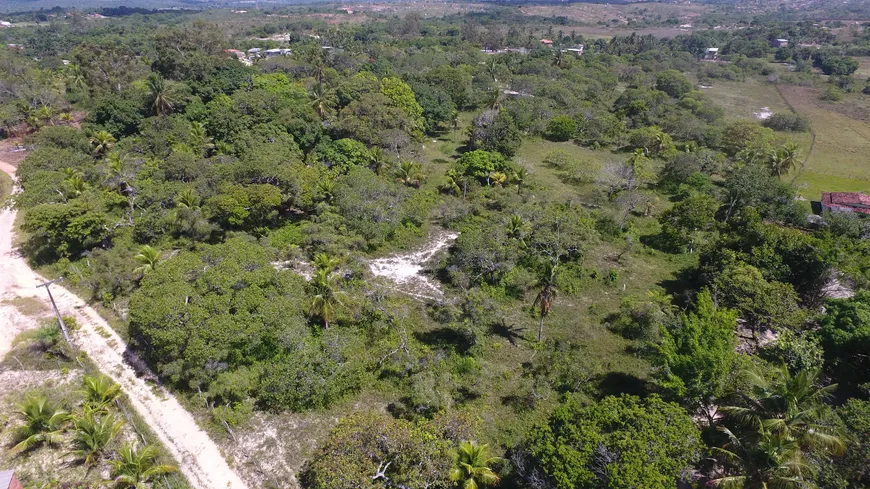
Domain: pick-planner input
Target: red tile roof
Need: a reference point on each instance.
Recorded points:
(846, 201)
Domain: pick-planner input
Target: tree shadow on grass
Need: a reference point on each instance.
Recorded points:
(511, 333)
(616, 383)
(447, 338)
(682, 287)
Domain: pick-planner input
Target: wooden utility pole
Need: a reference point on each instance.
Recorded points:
(56, 312)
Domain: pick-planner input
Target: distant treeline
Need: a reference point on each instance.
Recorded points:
(124, 11)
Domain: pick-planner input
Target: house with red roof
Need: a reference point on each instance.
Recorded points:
(846, 202)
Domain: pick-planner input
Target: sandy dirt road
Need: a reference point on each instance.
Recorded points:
(198, 457)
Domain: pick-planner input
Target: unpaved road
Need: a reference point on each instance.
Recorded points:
(198, 457)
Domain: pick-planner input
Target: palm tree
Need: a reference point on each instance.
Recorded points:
(784, 159)
(409, 173)
(102, 141)
(43, 422)
(471, 466)
(324, 297)
(378, 159)
(516, 228)
(158, 92)
(148, 258)
(788, 405)
(100, 391)
(326, 188)
(498, 178)
(199, 139)
(94, 431)
(322, 261)
(75, 77)
(767, 462)
(453, 182)
(492, 68)
(134, 468)
(519, 177)
(43, 114)
(76, 184)
(547, 292)
(322, 101)
(187, 199)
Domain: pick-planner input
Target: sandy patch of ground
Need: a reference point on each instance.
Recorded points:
(406, 270)
(763, 113)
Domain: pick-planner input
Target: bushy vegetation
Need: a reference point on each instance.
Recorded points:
(633, 295)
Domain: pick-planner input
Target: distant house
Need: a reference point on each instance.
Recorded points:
(271, 53)
(711, 53)
(9, 481)
(779, 43)
(576, 51)
(846, 202)
(4, 23)
(547, 42)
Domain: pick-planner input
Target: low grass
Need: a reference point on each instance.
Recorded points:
(28, 306)
(838, 161)
(743, 99)
(5, 187)
(863, 72)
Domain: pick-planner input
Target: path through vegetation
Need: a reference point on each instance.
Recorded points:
(198, 457)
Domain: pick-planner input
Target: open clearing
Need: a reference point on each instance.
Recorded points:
(839, 159)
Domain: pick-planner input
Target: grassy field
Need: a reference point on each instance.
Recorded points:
(863, 72)
(742, 100)
(838, 161)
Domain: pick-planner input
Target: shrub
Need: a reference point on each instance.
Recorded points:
(787, 122)
(832, 94)
(561, 128)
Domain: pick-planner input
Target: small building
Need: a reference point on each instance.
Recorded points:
(9, 481)
(576, 51)
(846, 202)
(271, 53)
(5, 23)
(547, 42)
(711, 53)
(779, 43)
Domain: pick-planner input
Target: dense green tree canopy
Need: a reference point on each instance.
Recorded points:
(617, 442)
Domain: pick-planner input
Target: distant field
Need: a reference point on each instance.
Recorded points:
(863, 72)
(741, 100)
(839, 161)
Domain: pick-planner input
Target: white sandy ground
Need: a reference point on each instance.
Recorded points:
(406, 269)
(198, 457)
(764, 113)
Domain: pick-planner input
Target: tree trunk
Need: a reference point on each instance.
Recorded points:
(541, 329)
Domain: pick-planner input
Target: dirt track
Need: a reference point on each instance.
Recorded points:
(198, 457)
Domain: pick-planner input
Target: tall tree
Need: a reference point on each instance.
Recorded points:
(158, 94)
(547, 292)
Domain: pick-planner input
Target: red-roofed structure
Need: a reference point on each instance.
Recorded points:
(846, 201)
